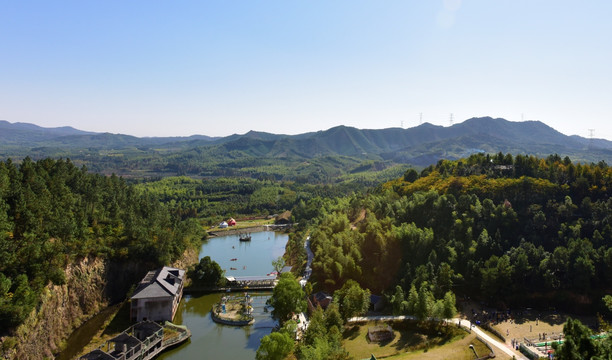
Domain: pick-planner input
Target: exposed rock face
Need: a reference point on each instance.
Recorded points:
(62, 309)
(91, 285)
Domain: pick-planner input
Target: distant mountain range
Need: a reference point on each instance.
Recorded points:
(419, 146)
(30, 135)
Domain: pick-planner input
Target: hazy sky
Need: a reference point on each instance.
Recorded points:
(160, 68)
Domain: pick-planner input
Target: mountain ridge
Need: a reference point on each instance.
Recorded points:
(420, 145)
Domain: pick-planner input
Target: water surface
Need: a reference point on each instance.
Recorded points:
(210, 340)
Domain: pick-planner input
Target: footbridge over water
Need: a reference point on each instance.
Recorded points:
(240, 283)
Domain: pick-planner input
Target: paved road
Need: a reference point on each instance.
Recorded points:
(303, 322)
(308, 270)
(503, 347)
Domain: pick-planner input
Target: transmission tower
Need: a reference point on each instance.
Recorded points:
(420, 118)
(591, 133)
(451, 119)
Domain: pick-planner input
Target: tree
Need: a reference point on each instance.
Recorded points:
(413, 299)
(319, 349)
(208, 273)
(450, 308)
(607, 300)
(352, 299)
(278, 264)
(308, 288)
(411, 175)
(333, 318)
(398, 301)
(425, 302)
(577, 344)
(317, 327)
(287, 298)
(275, 346)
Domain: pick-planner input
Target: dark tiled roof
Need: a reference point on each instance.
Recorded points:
(126, 339)
(320, 296)
(147, 327)
(160, 283)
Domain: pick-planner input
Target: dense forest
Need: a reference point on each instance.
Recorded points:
(508, 230)
(214, 199)
(52, 212)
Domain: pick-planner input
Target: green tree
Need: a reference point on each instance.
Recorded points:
(308, 288)
(317, 327)
(413, 300)
(577, 344)
(450, 309)
(287, 298)
(398, 300)
(411, 175)
(352, 299)
(208, 273)
(425, 303)
(607, 300)
(275, 346)
(333, 317)
(278, 264)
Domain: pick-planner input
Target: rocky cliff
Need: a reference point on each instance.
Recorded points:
(91, 285)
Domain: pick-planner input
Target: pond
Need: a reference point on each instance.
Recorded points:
(215, 341)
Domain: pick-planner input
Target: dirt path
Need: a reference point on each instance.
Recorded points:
(359, 219)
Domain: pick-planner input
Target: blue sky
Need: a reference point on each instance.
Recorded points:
(161, 68)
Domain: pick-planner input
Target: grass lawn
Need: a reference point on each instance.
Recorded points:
(413, 341)
(243, 224)
(456, 350)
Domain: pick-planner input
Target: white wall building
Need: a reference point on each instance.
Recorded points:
(158, 295)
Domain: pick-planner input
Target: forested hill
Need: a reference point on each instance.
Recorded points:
(202, 156)
(52, 214)
(512, 231)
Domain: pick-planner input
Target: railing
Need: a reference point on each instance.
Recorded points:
(494, 331)
(491, 354)
(528, 352)
(183, 335)
(150, 346)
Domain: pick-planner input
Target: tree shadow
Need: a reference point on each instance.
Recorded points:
(120, 322)
(352, 333)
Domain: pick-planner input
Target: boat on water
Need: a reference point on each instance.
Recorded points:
(245, 237)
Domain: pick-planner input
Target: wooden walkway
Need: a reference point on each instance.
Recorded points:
(142, 341)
